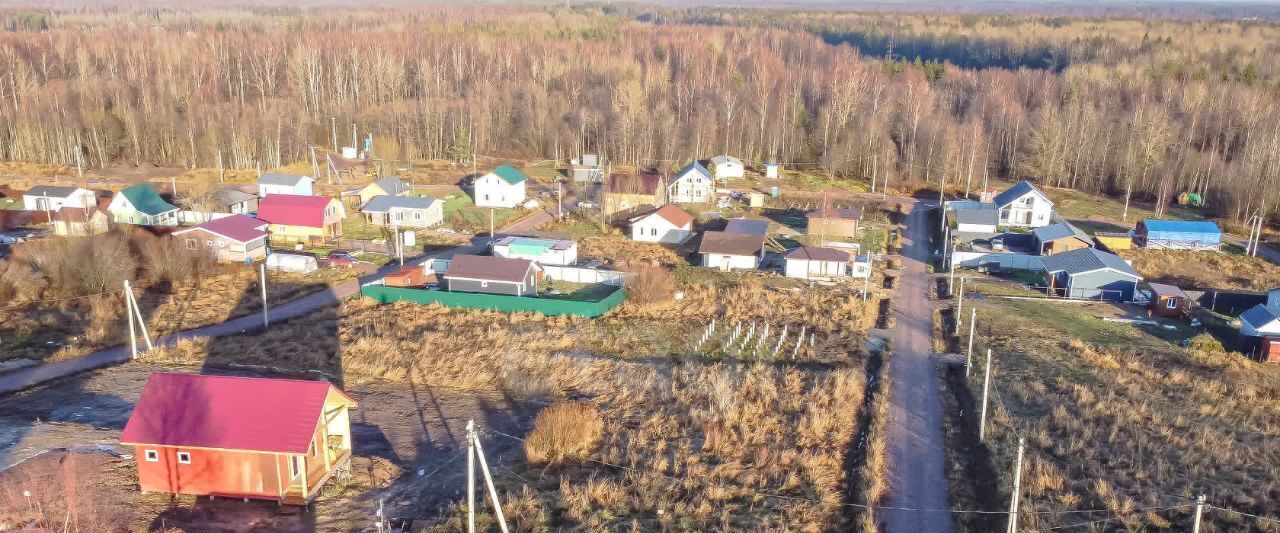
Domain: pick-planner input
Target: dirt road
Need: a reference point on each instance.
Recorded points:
(916, 466)
(34, 375)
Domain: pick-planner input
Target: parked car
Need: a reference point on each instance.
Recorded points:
(341, 260)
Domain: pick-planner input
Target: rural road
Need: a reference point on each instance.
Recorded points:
(916, 464)
(34, 375)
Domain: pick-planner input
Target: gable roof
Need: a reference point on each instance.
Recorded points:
(1168, 291)
(225, 412)
(1181, 226)
(1018, 190)
(1059, 231)
(748, 226)
(276, 178)
(633, 183)
(725, 158)
(293, 209)
(238, 228)
(989, 217)
(817, 253)
(669, 212)
(1258, 316)
(51, 191)
(489, 268)
(691, 169)
(384, 203)
(1088, 260)
(229, 196)
(509, 174)
(392, 185)
(720, 242)
(146, 200)
(849, 213)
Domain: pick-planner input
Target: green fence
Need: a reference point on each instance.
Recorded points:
(495, 302)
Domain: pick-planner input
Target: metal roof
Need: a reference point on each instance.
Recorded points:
(817, 253)
(238, 228)
(1181, 226)
(1018, 190)
(692, 168)
(384, 203)
(294, 209)
(1258, 316)
(720, 242)
(509, 174)
(1088, 260)
(489, 268)
(229, 196)
(392, 185)
(51, 191)
(229, 413)
(1168, 291)
(849, 213)
(669, 212)
(276, 178)
(1060, 230)
(725, 158)
(989, 217)
(146, 200)
(747, 226)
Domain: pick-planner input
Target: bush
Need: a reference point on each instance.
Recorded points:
(564, 432)
(648, 284)
(1205, 342)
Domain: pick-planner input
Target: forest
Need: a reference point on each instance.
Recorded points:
(1134, 108)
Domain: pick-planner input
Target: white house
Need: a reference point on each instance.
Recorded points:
(52, 198)
(667, 224)
(1262, 320)
(692, 184)
(541, 251)
(727, 166)
(861, 267)
(1024, 205)
(725, 250)
(408, 211)
(813, 262)
(276, 183)
(503, 187)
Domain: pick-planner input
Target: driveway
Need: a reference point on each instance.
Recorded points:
(916, 466)
(34, 375)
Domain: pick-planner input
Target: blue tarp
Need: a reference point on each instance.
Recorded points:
(1200, 232)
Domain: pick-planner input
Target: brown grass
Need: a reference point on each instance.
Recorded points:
(620, 251)
(1205, 270)
(566, 432)
(698, 445)
(1125, 421)
(648, 284)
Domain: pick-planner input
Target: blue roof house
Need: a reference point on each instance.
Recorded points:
(1178, 234)
(1090, 274)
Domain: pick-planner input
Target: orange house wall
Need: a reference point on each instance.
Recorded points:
(212, 472)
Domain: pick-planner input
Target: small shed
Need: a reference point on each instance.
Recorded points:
(815, 262)
(770, 170)
(1168, 300)
(1178, 234)
(1060, 237)
(409, 276)
(1114, 241)
(1269, 349)
(977, 220)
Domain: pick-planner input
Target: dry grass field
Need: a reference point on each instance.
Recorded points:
(686, 441)
(1122, 428)
(1205, 270)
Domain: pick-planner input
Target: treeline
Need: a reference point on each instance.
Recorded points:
(174, 88)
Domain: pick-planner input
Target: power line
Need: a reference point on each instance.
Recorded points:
(1242, 513)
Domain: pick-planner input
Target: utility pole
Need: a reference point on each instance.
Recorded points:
(973, 320)
(471, 476)
(951, 264)
(137, 312)
(333, 123)
(488, 480)
(128, 312)
(262, 280)
(222, 173)
(173, 186)
(559, 199)
(959, 303)
(1017, 489)
(986, 385)
(1195, 528)
(866, 282)
(491, 228)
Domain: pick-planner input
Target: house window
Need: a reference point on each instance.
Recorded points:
(295, 466)
(191, 244)
(417, 215)
(653, 232)
(208, 243)
(484, 284)
(184, 458)
(1171, 303)
(311, 450)
(152, 456)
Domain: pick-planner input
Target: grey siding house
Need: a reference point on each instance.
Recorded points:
(492, 275)
(1089, 273)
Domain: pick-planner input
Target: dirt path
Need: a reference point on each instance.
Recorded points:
(916, 465)
(34, 375)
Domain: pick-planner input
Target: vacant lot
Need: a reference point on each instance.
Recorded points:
(1123, 428)
(1205, 270)
(710, 439)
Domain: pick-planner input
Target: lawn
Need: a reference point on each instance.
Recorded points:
(1116, 417)
(355, 227)
(461, 214)
(1073, 204)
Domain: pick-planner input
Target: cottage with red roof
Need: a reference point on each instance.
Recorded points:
(667, 224)
(295, 218)
(238, 437)
(235, 238)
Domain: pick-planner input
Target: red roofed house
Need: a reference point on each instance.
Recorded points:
(667, 224)
(271, 439)
(235, 238)
(312, 219)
